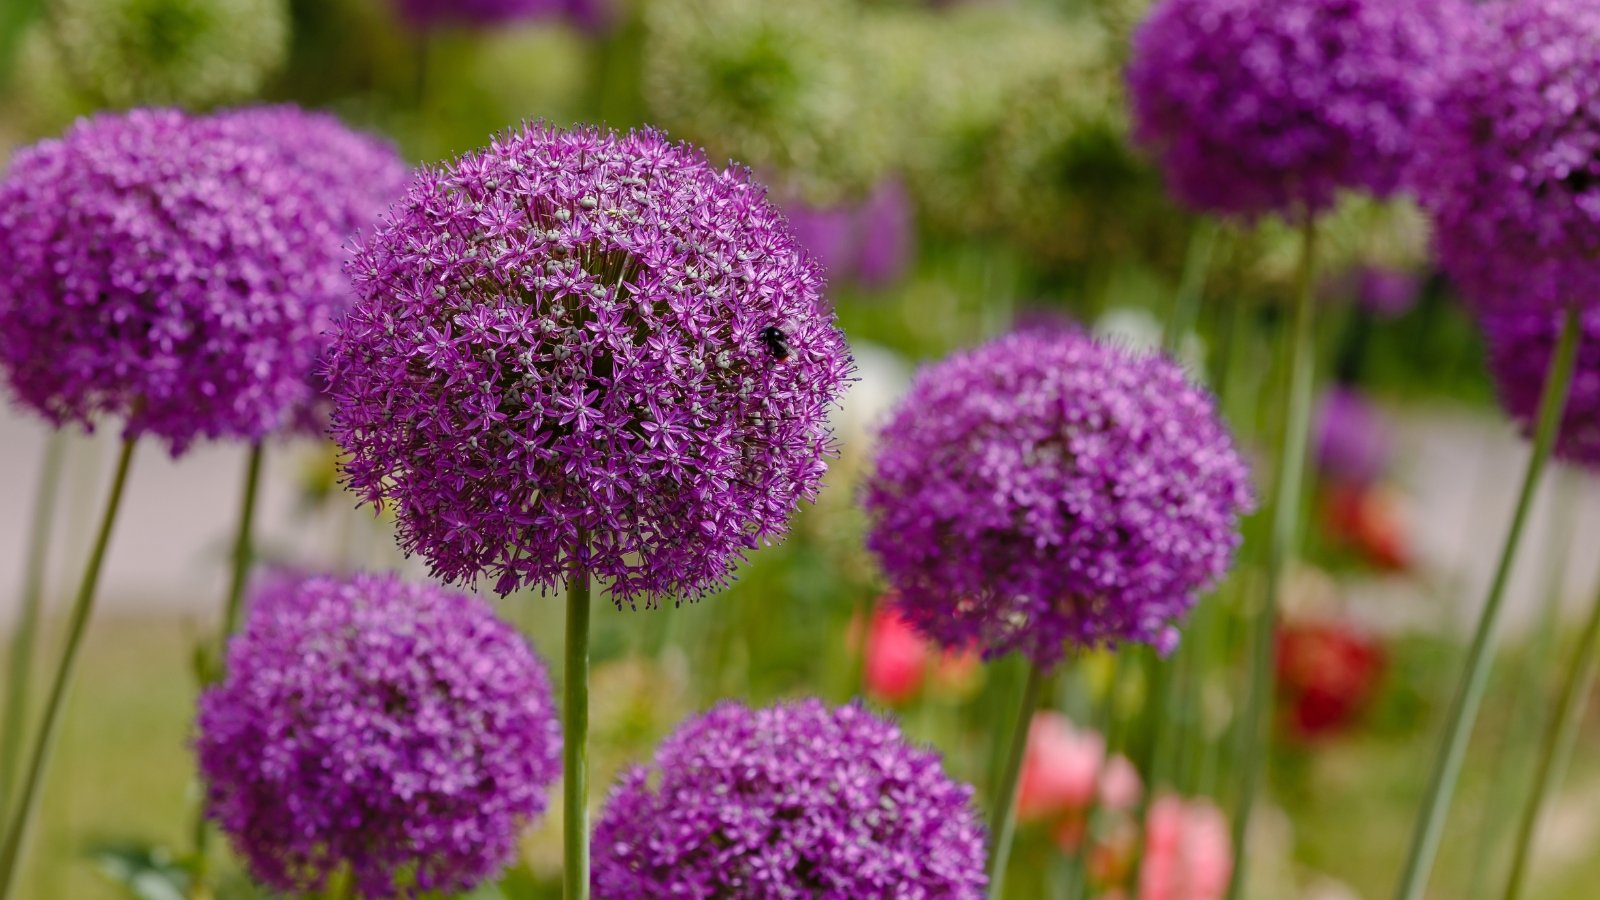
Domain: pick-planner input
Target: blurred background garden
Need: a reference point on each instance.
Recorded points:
(961, 170)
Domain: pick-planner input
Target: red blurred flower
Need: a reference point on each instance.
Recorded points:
(1371, 521)
(899, 661)
(1327, 674)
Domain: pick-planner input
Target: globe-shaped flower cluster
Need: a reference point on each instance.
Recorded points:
(174, 271)
(1521, 344)
(1510, 168)
(355, 176)
(399, 730)
(1046, 488)
(796, 800)
(189, 52)
(1258, 107)
(580, 348)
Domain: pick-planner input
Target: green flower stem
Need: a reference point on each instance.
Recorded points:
(243, 555)
(1463, 712)
(1518, 746)
(26, 634)
(22, 809)
(1558, 739)
(1191, 285)
(1003, 815)
(243, 552)
(1254, 732)
(575, 739)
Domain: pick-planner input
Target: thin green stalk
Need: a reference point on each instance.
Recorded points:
(867, 610)
(1518, 745)
(1191, 285)
(1003, 816)
(1558, 735)
(26, 634)
(243, 555)
(11, 850)
(575, 739)
(1463, 712)
(1281, 548)
(243, 552)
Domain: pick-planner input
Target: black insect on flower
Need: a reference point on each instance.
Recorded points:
(776, 342)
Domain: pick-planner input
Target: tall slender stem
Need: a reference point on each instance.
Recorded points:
(1463, 712)
(1186, 302)
(243, 551)
(243, 555)
(575, 739)
(26, 634)
(1003, 816)
(1558, 736)
(11, 850)
(1281, 548)
(1517, 748)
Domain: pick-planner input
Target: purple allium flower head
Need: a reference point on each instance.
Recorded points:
(356, 176)
(1047, 488)
(399, 729)
(796, 800)
(1352, 441)
(1520, 344)
(1268, 106)
(581, 346)
(1510, 168)
(174, 271)
(588, 14)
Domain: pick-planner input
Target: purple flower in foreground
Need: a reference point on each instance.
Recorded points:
(354, 175)
(1046, 488)
(1265, 106)
(1520, 345)
(796, 800)
(398, 729)
(580, 347)
(588, 14)
(173, 271)
(1352, 441)
(1510, 168)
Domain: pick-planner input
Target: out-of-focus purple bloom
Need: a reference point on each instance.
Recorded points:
(591, 15)
(575, 346)
(1046, 488)
(176, 272)
(355, 176)
(1510, 167)
(870, 241)
(887, 235)
(793, 800)
(827, 233)
(1389, 293)
(397, 729)
(1352, 440)
(1268, 106)
(1520, 345)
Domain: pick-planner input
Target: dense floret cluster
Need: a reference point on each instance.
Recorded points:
(400, 730)
(797, 800)
(577, 348)
(1046, 488)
